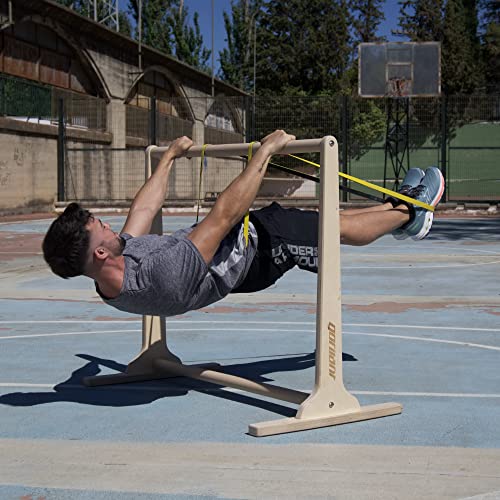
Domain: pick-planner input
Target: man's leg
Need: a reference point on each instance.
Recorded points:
(366, 225)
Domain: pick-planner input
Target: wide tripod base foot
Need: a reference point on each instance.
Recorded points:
(128, 378)
(302, 424)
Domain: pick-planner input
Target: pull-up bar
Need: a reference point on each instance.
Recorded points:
(329, 402)
(225, 150)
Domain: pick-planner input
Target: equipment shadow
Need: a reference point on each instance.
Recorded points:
(72, 390)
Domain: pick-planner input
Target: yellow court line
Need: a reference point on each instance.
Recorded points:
(394, 194)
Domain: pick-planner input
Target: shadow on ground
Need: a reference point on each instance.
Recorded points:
(72, 390)
(466, 229)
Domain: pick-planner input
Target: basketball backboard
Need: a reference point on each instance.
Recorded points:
(400, 69)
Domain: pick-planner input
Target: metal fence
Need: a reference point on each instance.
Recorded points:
(460, 134)
(34, 103)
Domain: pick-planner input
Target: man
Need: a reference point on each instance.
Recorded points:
(169, 275)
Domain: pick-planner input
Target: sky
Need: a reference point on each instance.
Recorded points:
(204, 9)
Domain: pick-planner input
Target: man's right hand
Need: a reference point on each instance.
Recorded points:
(180, 146)
(275, 142)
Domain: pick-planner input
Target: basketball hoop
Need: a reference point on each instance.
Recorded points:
(398, 87)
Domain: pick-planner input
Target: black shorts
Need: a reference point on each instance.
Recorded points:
(288, 237)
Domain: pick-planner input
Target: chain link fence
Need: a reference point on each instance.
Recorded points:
(459, 134)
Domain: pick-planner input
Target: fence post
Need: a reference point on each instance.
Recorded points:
(152, 121)
(60, 150)
(444, 142)
(345, 142)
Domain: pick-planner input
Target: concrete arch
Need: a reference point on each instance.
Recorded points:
(92, 71)
(187, 109)
(228, 104)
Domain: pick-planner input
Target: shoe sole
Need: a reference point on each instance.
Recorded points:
(429, 216)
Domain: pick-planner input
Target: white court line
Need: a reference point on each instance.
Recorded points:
(287, 330)
(416, 267)
(223, 322)
(440, 341)
(28, 253)
(423, 327)
(440, 247)
(62, 334)
(25, 222)
(156, 388)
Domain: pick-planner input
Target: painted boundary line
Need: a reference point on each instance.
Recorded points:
(156, 388)
(222, 322)
(287, 330)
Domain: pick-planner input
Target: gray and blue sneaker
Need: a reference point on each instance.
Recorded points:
(411, 180)
(429, 191)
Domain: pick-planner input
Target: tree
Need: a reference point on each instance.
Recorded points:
(421, 20)
(491, 44)
(304, 46)
(460, 67)
(188, 41)
(157, 25)
(236, 61)
(369, 16)
(125, 26)
(450, 24)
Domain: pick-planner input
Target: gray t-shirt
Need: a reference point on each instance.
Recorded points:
(166, 275)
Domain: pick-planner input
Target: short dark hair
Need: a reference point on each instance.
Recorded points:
(66, 243)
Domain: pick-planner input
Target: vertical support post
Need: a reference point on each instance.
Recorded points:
(444, 144)
(152, 121)
(61, 140)
(329, 395)
(345, 142)
(329, 403)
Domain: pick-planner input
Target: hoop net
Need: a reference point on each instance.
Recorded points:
(398, 87)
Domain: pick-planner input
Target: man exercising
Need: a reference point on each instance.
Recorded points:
(144, 273)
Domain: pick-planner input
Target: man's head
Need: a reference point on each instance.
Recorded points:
(78, 243)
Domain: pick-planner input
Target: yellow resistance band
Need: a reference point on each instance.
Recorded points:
(394, 194)
(202, 159)
(247, 216)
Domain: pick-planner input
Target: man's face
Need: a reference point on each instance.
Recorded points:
(101, 235)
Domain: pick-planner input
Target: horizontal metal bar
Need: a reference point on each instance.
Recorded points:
(225, 150)
(474, 147)
(220, 378)
(106, 149)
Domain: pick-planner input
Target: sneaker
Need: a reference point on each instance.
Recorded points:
(412, 179)
(429, 191)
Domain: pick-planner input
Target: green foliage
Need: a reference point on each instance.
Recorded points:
(421, 20)
(236, 61)
(24, 99)
(491, 45)
(460, 66)
(303, 45)
(188, 41)
(454, 24)
(368, 16)
(367, 126)
(157, 24)
(125, 26)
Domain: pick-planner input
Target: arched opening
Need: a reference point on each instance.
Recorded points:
(223, 122)
(173, 117)
(38, 68)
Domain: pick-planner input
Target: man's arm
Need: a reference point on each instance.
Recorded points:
(151, 196)
(237, 198)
